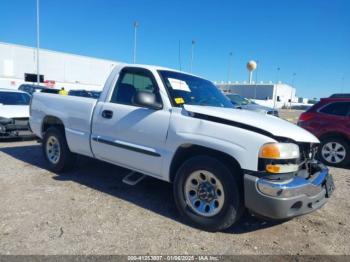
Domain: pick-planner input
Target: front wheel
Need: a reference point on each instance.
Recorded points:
(56, 151)
(208, 194)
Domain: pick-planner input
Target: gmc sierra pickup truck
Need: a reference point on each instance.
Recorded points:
(180, 128)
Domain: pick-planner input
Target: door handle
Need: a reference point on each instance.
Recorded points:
(107, 114)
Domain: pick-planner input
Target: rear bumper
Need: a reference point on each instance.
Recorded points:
(282, 200)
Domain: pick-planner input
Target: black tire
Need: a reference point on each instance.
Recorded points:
(323, 157)
(232, 207)
(66, 159)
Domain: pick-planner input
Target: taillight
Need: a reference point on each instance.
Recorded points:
(305, 116)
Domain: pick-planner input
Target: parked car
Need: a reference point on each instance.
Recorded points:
(244, 103)
(329, 120)
(14, 113)
(30, 88)
(341, 95)
(182, 129)
(85, 93)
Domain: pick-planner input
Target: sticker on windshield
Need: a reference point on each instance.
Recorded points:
(179, 100)
(177, 84)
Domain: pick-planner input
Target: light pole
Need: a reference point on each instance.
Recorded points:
(229, 66)
(275, 89)
(256, 76)
(342, 84)
(37, 42)
(136, 25)
(291, 91)
(192, 55)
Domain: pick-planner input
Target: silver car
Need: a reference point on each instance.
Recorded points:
(244, 103)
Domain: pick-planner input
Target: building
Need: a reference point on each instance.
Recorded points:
(58, 69)
(263, 92)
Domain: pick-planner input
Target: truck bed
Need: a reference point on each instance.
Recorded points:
(75, 113)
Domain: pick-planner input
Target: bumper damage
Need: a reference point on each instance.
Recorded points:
(286, 199)
(11, 128)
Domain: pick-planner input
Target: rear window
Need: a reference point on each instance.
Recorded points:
(13, 98)
(337, 108)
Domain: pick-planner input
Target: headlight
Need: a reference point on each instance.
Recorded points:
(279, 151)
(277, 158)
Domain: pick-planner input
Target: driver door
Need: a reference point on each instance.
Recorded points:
(129, 135)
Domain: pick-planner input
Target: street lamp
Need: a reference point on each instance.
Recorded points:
(275, 89)
(136, 25)
(291, 91)
(37, 42)
(192, 55)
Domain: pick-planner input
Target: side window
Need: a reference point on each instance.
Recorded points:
(132, 81)
(337, 108)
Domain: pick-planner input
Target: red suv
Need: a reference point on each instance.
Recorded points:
(329, 120)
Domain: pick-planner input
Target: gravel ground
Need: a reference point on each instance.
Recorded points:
(90, 211)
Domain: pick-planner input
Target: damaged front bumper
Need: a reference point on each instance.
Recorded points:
(17, 127)
(278, 199)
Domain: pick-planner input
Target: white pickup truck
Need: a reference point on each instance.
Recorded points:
(180, 128)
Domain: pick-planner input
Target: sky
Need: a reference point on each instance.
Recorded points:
(308, 38)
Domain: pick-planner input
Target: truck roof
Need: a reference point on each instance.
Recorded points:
(154, 67)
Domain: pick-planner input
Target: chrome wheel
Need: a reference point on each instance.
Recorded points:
(204, 193)
(53, 150)
(333, 152)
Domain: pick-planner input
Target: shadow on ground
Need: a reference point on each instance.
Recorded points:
(150, 193)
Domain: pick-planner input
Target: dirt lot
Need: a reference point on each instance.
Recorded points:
(90, 211)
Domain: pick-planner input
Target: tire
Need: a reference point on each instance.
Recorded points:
(64, 159)
(339, 152)
(225, 211)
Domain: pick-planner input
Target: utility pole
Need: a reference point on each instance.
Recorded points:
(136, 25)
(37, 42)
(229, 66)
(192, 55)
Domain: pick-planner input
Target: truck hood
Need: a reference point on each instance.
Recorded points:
(9, 111)
(273, 125)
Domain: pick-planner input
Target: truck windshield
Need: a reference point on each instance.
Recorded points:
(13, 98)
(191, 90)
(239, 100)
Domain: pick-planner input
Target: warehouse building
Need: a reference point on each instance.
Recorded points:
(58, 69)
(265, 93)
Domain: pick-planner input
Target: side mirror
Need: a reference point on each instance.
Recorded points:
(146, 99)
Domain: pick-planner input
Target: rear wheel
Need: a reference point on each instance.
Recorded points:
(56, 151)
(334, 152)
(207, 193)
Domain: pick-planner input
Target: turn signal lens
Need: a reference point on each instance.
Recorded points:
(279, 168)
(273, 168)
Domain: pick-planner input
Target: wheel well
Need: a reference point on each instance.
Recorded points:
(52, 121)
(187, 151)
(334, 134)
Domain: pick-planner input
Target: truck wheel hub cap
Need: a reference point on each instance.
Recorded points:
(204, 193)
(53, 150)
(333, 152)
